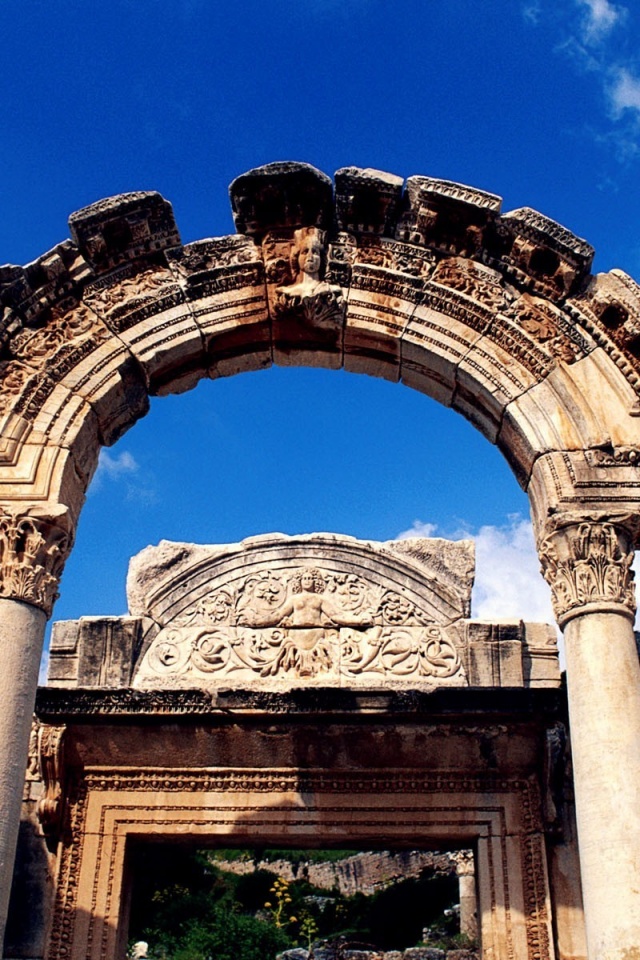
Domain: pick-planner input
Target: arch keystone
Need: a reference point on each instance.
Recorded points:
(281, 195)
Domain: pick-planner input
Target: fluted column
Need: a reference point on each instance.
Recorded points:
(32, 554)
(587, 563)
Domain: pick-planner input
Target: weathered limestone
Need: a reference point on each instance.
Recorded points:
(604, 700)
(21, 636)
(308, 767)
(324, 610)
(588, 566)
(495, 314)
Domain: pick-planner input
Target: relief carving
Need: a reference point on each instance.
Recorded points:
(122, 298)
(51, 759)
(310, 623)
(472, 279)
(588, 563)
(31, 351)
(33, 551)
(297, 269)
(550, 328)
(606, 455)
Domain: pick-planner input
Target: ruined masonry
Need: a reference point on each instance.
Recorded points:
(432, 727)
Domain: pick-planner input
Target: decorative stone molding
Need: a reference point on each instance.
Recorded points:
(587, 564)
(52, 769)
(423, 281)
(33, 550)
(465, 862)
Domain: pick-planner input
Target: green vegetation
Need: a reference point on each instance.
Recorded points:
(187, 908)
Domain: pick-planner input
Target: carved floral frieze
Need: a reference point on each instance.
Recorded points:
(587, 565)
(307, 623)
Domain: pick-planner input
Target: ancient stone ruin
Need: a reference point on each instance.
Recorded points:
(316, 694)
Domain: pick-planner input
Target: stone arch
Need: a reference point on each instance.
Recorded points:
(426, 282)
(494, 315)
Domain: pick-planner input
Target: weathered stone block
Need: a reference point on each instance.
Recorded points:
(446, 216)
(126, 227)
(367, 201)
(281, 195)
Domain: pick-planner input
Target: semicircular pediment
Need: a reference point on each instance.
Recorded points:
(320, 608)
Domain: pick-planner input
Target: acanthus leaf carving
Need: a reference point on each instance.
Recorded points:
(33, 550)
(588, 564)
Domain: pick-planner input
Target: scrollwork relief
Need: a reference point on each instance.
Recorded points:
(588, 563)
(472, 279)
(549, 327)
(32, 350)
(308, 623)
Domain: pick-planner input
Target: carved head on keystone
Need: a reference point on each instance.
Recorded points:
(307, 254)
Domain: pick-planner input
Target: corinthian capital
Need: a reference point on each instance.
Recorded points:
(587, 564)
(33, 550)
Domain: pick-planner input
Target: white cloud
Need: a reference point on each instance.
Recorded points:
(601, 17)
(114, 468)
(419, 529)
(508, 581)
(624, 92)
(123, 469)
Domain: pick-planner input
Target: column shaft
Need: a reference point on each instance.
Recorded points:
(21, 636)
(603, 675)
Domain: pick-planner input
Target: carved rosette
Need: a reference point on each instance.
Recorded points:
(587, 564)
(33, 551)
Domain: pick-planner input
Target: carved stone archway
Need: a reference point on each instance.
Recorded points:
(425, 282)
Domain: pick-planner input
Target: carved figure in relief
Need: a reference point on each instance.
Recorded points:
(307, 613)
(319, 301)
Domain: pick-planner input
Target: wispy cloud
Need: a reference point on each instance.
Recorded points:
(599, 19)
(624, 91)
(114, 468)
(508, 581)
(123, 469)
(591, 33)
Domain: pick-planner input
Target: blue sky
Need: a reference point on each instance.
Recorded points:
(536, 100)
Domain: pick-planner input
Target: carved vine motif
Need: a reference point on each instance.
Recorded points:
(471, 279)
(125, 292)
(32, 555)
(309, 623)
(588, 563)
